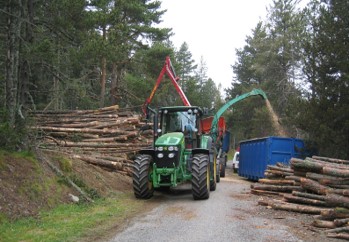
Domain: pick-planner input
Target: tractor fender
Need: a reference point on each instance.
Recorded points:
(150, 152)
(200, 151)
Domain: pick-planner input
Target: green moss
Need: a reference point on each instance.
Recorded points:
(65, 164)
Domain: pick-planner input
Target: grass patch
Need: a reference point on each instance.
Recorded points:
(72, 222)
(65, 164)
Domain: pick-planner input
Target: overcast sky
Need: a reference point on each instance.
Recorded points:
(213, 30)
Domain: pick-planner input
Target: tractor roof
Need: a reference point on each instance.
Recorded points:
(181, 108)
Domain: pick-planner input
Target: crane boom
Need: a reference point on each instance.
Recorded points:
(169, 70)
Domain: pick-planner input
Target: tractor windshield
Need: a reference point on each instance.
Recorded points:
(179, 121)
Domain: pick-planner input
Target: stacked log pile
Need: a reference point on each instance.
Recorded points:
(105, 137)
(317, 185)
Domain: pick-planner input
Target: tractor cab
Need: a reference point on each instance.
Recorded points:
(183, 120)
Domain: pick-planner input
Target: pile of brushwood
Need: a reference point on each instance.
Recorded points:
(317, 185)
(107, 137)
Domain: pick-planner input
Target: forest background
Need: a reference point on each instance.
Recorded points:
(82, 54)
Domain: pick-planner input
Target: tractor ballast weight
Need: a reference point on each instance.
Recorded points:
(181, 152)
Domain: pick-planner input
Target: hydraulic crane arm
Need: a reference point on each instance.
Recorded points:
(169, 70)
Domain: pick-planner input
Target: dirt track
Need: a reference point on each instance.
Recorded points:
(230, 214)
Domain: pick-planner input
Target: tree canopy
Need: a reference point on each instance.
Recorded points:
(87, 54)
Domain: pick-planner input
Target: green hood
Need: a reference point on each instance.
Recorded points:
(170, 139)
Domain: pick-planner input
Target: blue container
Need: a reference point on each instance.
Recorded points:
(257, 154)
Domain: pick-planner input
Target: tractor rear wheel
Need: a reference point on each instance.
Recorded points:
(213, 175)
(218, 178)
(142, 185)
(200, 177)
(223, 166)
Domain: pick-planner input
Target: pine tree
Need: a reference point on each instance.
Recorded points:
(325, 116)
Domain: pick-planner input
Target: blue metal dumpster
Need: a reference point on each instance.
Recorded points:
(257, 154)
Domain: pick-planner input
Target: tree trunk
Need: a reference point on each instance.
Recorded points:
(114, 86)
(103, 70)
(14, 22)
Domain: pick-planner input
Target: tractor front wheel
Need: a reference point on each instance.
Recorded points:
(142, 184)
(200, 177)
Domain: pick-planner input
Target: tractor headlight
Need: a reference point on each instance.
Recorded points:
(160, 148)
(170, 148)
(171, 155)
(160, 155)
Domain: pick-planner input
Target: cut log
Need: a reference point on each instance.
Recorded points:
(336, 213)
(295, 178)
(276, 188)
(343, 192)
(100, 162)
(298, 208)
(304, 165)
(280, 173)
(327, 180)
(277, 168)
(314, 186)
(337, 200)
(300, 173)
(264, 193)
(276, 182)
(339, 235)
(341, 222)
(336, 172)
(303, 200)
(76, 125)
(327, 164)
(270, 175)
(101, 145)
(309, 195)
(104, 140)
(338, 230)
(324, 224)
(265, 202)
(343, 187)
(331, 159)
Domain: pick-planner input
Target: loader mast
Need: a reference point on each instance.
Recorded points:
(169, 70)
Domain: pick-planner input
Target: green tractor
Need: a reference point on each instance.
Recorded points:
(180, 153)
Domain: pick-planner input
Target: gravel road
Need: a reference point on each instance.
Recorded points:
(230, 214)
